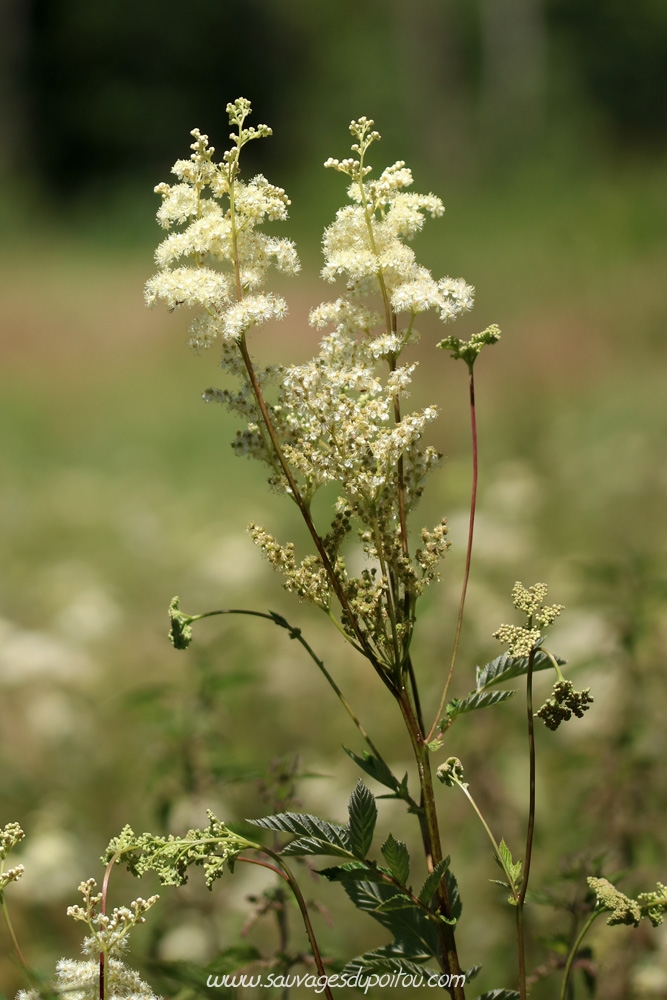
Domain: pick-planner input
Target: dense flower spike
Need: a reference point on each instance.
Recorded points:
(225, 257)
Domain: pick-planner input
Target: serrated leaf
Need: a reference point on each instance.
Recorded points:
(354, 871)
(363, 817)
(395, 853)
(314, 835)
(414, 933)
(455, 904)
(500, 995)
(398, 902)
(376, 768)
(475, 700)
(388, 959)
(513, 867)
(505, 667)
(473, 971)
(432, 882)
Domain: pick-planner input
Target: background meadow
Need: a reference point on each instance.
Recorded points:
(541, 124)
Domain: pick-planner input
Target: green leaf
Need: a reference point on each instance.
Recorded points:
(314, 835)
(513, 868)
(505, 667)
(432, 882)
(398, 902)
(363, 817)
(396, 855)
(354, 871)
(376, 768)
(455, 904)
(415, 934)
(500, 995)
(388, 959)
(475, 700)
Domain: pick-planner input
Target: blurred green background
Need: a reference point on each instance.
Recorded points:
(542, 125)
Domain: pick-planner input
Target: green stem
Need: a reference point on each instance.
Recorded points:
(530, 831)
(13, 938)
(496, 848)
(574, 949)
(554, 662)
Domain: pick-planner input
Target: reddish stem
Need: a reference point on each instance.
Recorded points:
(466, 573)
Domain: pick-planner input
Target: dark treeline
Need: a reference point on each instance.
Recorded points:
(100, 91)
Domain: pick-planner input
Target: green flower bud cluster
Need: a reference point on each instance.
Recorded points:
(171, 857)
(469, 350)
(451, 772)
(564, 703)
(10, 836)
(650, 905)
(522, 640)
(180, 630)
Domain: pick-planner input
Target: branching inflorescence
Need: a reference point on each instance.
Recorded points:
(339, 419)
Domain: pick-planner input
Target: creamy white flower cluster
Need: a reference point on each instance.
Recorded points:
(339, 416)
(338, 419)
(77, 980)
(365, 243)
(522, 640)
(218, 263)
(80, 980)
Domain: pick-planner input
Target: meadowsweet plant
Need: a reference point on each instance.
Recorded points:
(342, 419)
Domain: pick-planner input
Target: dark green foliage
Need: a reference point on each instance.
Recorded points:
(499, 995)
(396, 855)
(383, 960)
(354, 871)
(475, 700)
(415, 936)
(506, 667)
(314, 835)
(363, 817)
(432, 882)
(378, 769)
(455, 904)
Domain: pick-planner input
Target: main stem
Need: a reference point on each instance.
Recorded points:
(428, 821)
(305, 513)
